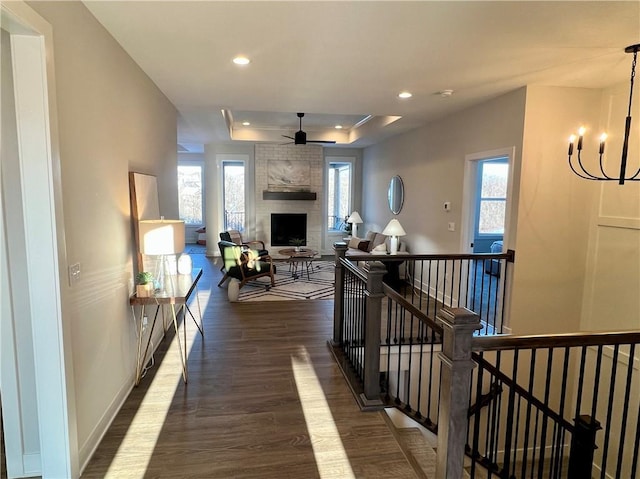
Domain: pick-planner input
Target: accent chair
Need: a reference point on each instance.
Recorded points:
(244, 264)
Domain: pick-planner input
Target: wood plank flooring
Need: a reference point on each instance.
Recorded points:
(264, 400)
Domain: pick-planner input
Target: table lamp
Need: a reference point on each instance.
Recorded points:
(394, 229)
(162, 238)
(354, 219)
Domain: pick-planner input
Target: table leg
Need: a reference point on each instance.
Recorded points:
(138, 368)
(183, 354)
(201, 328)
(308, 265)
(141, 363)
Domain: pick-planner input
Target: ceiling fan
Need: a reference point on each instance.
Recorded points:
(300, 137)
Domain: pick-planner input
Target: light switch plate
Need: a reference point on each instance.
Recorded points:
(452, 226)
(74, 273)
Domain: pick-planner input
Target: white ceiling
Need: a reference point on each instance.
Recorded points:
(342, 61)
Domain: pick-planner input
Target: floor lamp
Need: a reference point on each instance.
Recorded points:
(162, 238)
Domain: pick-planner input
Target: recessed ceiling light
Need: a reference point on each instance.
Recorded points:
(246, 123)
(241, 60)
(404, 94)
(445, 93)
(338, 127)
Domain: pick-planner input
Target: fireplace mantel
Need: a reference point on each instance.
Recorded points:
(289, 195)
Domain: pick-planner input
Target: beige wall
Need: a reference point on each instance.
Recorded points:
(112, 120)
(553, 216)
(552, 222)
(431, 162)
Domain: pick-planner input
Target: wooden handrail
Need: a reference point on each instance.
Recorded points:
(509, 256)
(504, 342)
(522, 392)
(354, 269)
(399, 299)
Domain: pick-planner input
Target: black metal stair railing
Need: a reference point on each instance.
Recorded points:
(569, 406)
(539, 406)
(410, 367)
(431, 281)
(354, 324)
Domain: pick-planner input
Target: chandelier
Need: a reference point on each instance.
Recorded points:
(579, 168)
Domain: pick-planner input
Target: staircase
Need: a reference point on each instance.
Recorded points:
(417, 443)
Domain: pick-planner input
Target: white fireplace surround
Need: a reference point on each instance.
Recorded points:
(307, 155)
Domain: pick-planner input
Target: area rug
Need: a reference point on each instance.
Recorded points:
(319, 284)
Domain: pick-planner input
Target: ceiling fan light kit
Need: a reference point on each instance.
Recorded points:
(300, 137)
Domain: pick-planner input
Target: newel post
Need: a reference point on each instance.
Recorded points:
(459, 325)
(583, 445)
(340, 249)
(374, 294)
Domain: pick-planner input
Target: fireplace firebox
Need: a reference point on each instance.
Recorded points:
(288, 229)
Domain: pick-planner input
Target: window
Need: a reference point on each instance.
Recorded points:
(190, 193)
(233, 195)
(338, 195)
(493, 177)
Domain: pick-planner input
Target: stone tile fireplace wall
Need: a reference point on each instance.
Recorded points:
(313, 208)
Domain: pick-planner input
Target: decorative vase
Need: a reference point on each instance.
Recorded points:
(296, 249)
(233, 290)
(185, 265)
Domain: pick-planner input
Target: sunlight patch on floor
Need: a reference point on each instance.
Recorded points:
(137, 447)
(331, 458)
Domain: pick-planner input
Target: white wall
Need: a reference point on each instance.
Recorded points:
(313, 208)
(18, 384)
(112, 120)
(611, 299)
(257, 155)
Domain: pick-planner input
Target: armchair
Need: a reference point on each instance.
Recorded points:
(234, 236)
(244, 264)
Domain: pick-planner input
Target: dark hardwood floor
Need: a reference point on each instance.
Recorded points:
(264, 400)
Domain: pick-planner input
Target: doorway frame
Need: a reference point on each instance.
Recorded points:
(469, 194)
(469, 197)
(40, 178)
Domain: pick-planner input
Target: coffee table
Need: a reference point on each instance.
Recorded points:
(299, 260)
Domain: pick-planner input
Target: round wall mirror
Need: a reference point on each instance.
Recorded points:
(396, 194)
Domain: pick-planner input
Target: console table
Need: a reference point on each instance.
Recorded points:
(183, 286)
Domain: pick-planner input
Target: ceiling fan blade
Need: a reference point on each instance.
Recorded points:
(321, 141)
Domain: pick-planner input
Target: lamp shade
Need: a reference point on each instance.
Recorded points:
(355, 218)
(161, 237)
(394, 228)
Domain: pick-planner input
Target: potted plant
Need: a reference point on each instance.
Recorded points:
(144, 284)
(297, 242)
